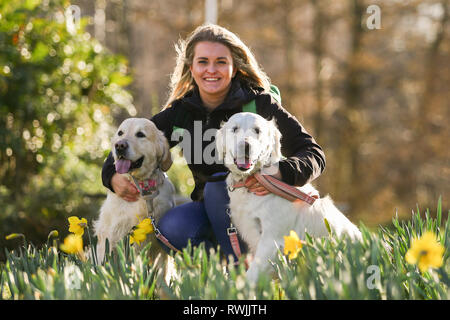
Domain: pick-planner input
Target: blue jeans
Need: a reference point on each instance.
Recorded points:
(201, 221)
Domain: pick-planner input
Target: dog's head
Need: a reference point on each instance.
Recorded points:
(248, 143)
(139, 147)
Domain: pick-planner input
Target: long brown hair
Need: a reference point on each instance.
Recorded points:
(244, 61)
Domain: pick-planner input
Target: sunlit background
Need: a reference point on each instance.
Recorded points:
(376, 98)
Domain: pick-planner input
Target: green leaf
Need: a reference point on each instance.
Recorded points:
(327, 225)
(40, 52)
(120, 79)
(31, 4)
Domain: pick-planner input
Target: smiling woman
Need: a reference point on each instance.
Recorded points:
(212, 70)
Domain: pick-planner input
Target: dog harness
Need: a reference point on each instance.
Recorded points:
(149, 191)
(277, 187)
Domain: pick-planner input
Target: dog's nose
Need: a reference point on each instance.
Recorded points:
(121, 147)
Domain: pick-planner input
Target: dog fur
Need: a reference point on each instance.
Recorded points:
(144, 142)
(248, 143)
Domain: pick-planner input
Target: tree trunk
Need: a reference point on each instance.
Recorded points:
(350, 185)
(318, 51)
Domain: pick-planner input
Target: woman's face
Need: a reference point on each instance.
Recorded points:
(212, 69)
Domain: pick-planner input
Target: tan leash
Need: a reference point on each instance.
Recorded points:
(280, 188)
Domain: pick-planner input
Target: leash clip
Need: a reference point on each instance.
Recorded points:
(231, 231)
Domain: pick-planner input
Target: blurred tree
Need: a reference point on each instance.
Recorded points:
(350, 129)
(59, 89)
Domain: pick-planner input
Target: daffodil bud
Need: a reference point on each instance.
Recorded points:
(14, 236)
(53, 234)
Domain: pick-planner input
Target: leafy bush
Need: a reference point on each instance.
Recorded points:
(59, 91)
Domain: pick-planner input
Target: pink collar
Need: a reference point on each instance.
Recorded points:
(147, 185)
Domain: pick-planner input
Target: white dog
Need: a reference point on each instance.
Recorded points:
(141, 152)
(248, 143)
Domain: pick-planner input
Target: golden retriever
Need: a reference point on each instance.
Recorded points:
(141, 152)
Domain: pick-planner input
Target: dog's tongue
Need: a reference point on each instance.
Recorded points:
(243, 163)
(122, 165)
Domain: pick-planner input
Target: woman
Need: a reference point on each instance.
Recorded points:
(215, 75)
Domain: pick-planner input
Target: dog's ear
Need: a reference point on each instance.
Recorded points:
(220, 145)
(164, 155)
(275, 134)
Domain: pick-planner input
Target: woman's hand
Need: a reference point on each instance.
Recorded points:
(124, 188)
(254, 186)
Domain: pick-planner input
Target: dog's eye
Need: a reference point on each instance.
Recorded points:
(140, 135)
(256, 129)
(120, 133)
(234, 129)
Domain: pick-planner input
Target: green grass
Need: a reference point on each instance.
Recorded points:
(326, 268)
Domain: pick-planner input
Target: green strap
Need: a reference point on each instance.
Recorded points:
(249, 107)
(182, 119)
(175, 128)
(275, 93)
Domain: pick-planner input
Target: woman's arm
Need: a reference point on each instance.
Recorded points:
(108, 170)
(164, 121)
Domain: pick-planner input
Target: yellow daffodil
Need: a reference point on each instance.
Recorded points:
(138, 236)
(77, 225)
(426, 252)
(141, 230)
(292, 245)
(146, 225)
(72, 244)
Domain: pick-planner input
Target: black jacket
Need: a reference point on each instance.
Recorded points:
(305, 158)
